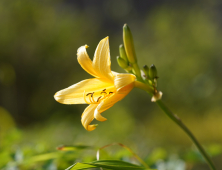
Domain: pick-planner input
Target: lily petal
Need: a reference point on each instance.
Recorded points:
(75, 93)
(107, 103)
(88, 116)
(101, 60)
(85, 61)
(98, 116)
(122, 82)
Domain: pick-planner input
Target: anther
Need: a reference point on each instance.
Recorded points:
(89, 94)
(92, 94)
(99, 98)
(104, 89)
(110, 92)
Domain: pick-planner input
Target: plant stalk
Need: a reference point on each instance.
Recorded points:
(178, 121)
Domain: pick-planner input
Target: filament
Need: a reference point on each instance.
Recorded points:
(91, 97)
(84, 96)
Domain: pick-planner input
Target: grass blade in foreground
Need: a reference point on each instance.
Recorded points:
(108, 164)
(127, 148)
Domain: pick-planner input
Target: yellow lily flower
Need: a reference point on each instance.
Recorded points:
(101, 92)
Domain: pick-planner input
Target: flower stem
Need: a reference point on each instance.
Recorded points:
(145, 87)
(178, 121)
(137, 71)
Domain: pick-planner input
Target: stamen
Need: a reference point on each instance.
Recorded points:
(90, 98)
(99, 98)
(104, 91)
(89, 93)
(84, 96)
(93, 98)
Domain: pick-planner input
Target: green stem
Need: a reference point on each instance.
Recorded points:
(137, 71)
(178, 121)
(147, 88)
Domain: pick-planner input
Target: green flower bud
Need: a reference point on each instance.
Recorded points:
(152, 72)
(122, 63)
(122, 52)
(129, 45)
(146, 70)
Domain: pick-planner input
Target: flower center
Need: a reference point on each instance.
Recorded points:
(92, 100)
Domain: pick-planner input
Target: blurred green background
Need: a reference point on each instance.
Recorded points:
(38, 44)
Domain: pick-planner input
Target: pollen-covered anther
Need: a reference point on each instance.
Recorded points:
(91, 99)
(104, 91)
(99, 98)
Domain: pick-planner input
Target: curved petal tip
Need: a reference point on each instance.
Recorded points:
(58, 97)
(98, 116)
(91, 127)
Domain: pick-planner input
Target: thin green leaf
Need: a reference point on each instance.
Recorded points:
(108, 164)
(116, 164)
(79, 166)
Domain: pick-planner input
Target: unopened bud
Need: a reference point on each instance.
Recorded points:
(129, 45)
(146, 70)
(122, 63)
(152, 72)
(122, 52)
